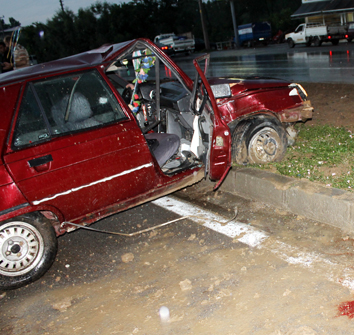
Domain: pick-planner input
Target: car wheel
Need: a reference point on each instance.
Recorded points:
(28, 246)
(291, 43)
(317, 42)
(259, 141)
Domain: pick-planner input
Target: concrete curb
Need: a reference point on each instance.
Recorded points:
(328, 205)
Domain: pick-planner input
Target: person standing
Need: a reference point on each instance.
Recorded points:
(6, 61)
(20, 55)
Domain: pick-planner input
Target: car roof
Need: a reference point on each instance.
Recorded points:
(88, 58)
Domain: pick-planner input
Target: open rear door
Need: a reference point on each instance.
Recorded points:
(203, 100)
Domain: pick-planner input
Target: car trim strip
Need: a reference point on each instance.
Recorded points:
(12, 209)
(37, 202)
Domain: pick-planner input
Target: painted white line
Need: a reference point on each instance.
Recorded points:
(248, 234)
(316, 263)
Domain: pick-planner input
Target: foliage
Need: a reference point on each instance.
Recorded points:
(321, 154)
(67, 33)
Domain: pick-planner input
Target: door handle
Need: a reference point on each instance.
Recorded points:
(41, 164)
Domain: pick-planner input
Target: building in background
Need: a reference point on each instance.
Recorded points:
(326, 11)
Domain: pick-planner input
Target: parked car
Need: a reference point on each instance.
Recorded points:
(78, 145)
(254, 33)
(180, 43)
(350, 34)
(316, 33)
(167, 49)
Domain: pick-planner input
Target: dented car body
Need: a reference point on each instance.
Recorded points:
(93, 134)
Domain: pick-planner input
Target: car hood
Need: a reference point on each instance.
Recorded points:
(239, 85)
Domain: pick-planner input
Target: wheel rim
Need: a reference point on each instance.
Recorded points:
(263, 146)
(21, 248)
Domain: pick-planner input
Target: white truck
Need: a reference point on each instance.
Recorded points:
(316, 33)
(181, 43)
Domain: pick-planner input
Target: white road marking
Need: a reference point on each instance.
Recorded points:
(316, 263)
(249, 235)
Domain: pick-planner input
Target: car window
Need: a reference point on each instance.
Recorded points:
(299, 28)
(30, 126)
(65, 104)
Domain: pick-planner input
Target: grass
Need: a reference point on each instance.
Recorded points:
(321, 154)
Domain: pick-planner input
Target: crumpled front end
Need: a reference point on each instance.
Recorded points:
(302, 112)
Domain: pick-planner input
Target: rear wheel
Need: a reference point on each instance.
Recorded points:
(317, 42)
(28, 246)
(259, 141)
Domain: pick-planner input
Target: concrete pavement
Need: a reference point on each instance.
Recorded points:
(314, 201)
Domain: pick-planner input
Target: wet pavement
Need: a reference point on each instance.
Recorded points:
(301, 64)
(210, 282)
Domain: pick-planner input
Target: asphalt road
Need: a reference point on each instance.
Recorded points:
(267, 272)
(327, 63)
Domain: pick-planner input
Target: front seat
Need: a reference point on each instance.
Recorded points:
(80, 113)
(163, 146)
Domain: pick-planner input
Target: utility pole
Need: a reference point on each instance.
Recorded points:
(205, 32)
(234, 22)
(61, 5)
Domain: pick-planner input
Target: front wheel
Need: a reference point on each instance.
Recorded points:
(28, 246)
(259, 141)
(291, 43)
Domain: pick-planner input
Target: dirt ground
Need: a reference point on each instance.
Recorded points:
(102, 284)
(333, 103)
(211, 284)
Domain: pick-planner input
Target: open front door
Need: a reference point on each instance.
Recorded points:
(203, 100)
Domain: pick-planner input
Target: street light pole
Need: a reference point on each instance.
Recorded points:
(61, 5)
(205, 32)
(234, 22)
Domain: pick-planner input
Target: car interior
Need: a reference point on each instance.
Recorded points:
(160, 103)
(177, 135)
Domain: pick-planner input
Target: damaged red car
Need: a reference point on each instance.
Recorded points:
(97, 133)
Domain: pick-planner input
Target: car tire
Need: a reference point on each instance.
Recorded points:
(28, 246)
(317, 42)
(259, 141)
(291, 43)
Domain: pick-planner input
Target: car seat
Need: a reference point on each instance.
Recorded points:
(163, 146)
(80, 113)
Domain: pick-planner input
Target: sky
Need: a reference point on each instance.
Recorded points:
(29, 11)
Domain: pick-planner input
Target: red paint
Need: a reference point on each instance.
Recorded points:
(346, 308)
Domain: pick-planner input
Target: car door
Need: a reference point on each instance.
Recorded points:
(219, 157)
(75, 148)
(300, 34)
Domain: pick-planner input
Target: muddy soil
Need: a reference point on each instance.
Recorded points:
(333, 103)
(210, 283)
